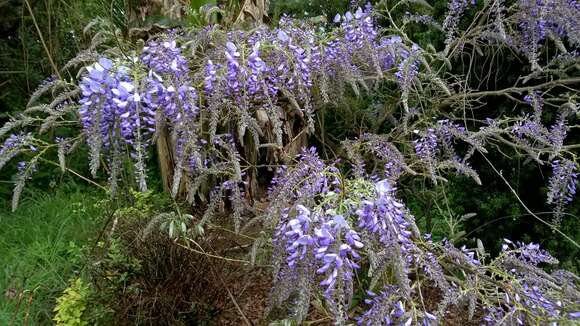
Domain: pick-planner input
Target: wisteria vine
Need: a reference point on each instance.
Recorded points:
(226, 102)
(334, 228)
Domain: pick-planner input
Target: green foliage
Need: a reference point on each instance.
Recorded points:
(311, 8)
(24, 62)
(112, 272)
(42, 248)
(72, 304)
(176, 225)
(463, 213)
(141, 205)
(202, 13)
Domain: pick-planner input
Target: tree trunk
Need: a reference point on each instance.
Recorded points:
(166, 158)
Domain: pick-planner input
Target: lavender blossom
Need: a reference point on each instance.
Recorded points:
(539, 20)
(164, 57)
(388, 308)
(235, 73)
(562, 184)
(528, 253)
(297, 235)
(455, 10)
(211, 77)
(257, 68)
(408, 69)
(13, 145)
(169, 87)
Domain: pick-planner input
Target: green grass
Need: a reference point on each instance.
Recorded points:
(40, 249)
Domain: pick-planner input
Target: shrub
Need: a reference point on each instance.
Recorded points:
(72, 304)
(223, 105)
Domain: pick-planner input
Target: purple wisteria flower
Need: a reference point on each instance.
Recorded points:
(310, 178)
(408, 68)
(97, 110)
(531, 133)
(533, 294)
(528, 253)
(562, 184)
(455, 11)
(385, 216)
(385, 219)
(436, 149)
(170, 95)
(168, 84)
(13, 145)
(119, 111)
(114, 115)
(359, 28)
(235, 74)
(297, 234)
(210, 76)
(165, 57)
(388, 308)
(426, 149)
(336, 248)
(257, 69)
(328, 226)
(543, 19)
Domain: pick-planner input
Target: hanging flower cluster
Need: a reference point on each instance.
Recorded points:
(531, 133)
(247, 80)
(323, 242)
(541, 20)
(326, 233)
(538, 296)
(219, 98)
(254, 83)
(526, 26)
(436, 149)
(13, 145)
(328, 242)
(387, 308)
(562, 184)
(169, 87)
(455, 11)
(114, 116)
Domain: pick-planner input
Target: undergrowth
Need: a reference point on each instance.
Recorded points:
(40, 248)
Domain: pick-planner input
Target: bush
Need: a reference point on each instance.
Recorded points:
(226, 107)
(71, 306)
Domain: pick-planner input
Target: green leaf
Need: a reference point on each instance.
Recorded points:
(196, 4)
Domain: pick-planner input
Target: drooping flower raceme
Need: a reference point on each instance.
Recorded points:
(325, 242)
(336, 252)
(543, 19)
(169, 90)
(538, 295)
(125, 102)
(562, 184)
(385, 218)
(531, 133)
(436, 149)
(114, 115)
(298, 236)
(328, 230)
(387, 308)
(13, 145)
(455, 11)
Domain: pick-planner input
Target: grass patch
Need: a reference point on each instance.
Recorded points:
(40, 250)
